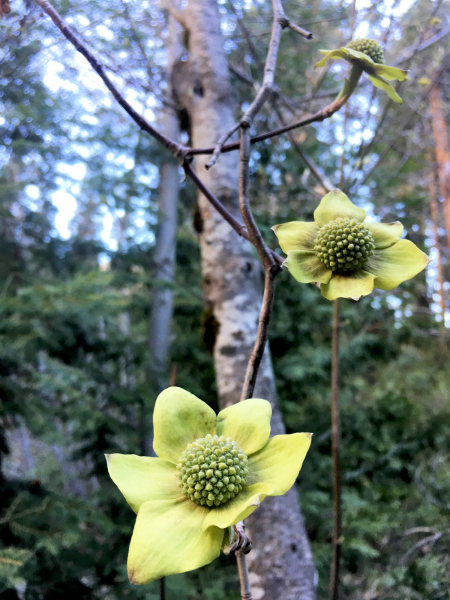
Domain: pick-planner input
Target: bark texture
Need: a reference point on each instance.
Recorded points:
(442, 141)
(281, 564)
(158, 338)
(434, 209)
(165, 246)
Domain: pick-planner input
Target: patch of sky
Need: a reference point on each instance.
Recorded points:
(67, 207)
(76, 171)
(104, 32)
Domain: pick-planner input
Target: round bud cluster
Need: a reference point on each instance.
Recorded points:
(344, 245)
(370, 47)
(212, 470)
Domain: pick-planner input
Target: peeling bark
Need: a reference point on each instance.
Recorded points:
(442, 141)
(281, 564)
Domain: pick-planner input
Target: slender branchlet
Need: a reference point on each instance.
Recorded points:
(335, 451)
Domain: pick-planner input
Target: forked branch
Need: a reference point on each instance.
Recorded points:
(279, 22)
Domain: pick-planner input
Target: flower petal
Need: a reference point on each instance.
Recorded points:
(381, 83)
(305, 267)
(361, 56)
(385, 234)
(296, 235)
(247, 423)
(390, 73)
(239, 508)
(336, 204)
(143, 478)
(396, 264)
(179, 419)
(353, 285)
(279, 462)
(335, 54)
(168, 538)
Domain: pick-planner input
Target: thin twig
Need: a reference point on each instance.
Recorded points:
(98, 67)
(412, 51)
(280, 22)
(239, 227)
(261, 336)
(317, 117)
(335, 451)
(175, 149)
(246, 591)
(304, 32)
(423, 542)
(404, 124)
(271, 268)
(162, 588)
(275, 97)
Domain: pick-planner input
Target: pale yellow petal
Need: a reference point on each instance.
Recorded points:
(169, 538)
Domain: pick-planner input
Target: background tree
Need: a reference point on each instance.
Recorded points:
(73, 381)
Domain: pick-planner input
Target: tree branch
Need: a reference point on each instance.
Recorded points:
(317, 117)
(271, 268)
(175, 149)
(280, 22)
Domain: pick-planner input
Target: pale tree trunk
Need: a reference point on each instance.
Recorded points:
(437, 244)
(442, 141)
(281, 564)
(165, 246)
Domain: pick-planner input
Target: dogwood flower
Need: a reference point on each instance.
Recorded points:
(212, 472)
(366, 56)
(348, 258)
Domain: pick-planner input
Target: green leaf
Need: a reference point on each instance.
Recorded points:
(305, 267)
(179, 419)
(247, 423)
(396, 264)
(390, 73)
(336, 204)
(353, 285)
(296, 235)
(238, 508)
(385, 234)
(143, 478)
(360, 56)
(381, 83)
(333, 54)
(279, 462)
(168, 538)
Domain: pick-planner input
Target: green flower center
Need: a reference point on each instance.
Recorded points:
(212, 470)
(344, 245)
(370, 47)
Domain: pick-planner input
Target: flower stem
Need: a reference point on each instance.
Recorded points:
(162, 588)
(350, 83)
(335, 451)
(246, 592)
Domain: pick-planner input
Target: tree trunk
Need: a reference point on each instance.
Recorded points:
(281, 564)
(442, 141)
(165, 247)
(437, 244)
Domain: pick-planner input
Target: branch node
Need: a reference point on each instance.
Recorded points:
(243, 543)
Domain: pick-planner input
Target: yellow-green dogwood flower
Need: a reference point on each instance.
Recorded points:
(348, 258)
(212, 472)
(366, 56)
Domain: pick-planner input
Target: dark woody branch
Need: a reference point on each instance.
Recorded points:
(317, 117)
(178, 151)
(280, 22)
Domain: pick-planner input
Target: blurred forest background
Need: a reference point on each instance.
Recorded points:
(79, 214)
